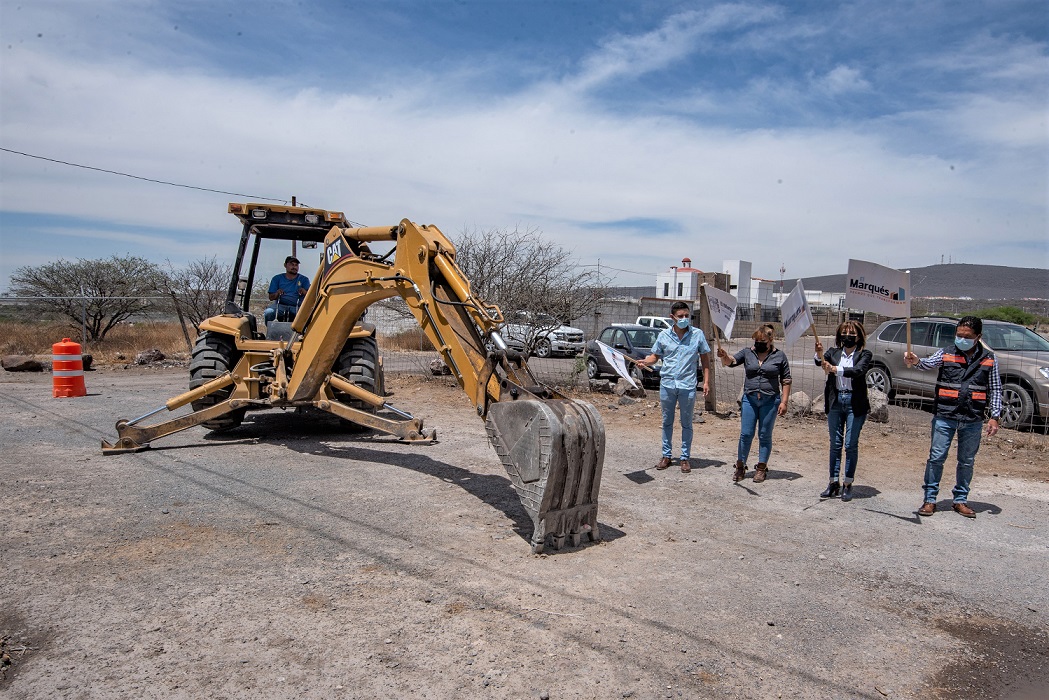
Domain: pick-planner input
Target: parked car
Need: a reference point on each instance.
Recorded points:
(542, 335)
(1023, 362)
(633, 341)
(657, 322)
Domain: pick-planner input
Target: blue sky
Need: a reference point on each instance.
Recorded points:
(631, 133)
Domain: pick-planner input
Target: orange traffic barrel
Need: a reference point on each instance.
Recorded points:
(67, 368)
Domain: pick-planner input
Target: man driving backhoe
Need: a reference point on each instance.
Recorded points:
(286, 291)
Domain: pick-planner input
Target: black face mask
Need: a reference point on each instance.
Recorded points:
(760, 346)
(848, 341)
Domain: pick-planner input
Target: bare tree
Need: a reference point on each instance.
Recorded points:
(199, 288)
(99, 293)
(521, 271)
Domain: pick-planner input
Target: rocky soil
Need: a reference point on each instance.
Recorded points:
(291, 558)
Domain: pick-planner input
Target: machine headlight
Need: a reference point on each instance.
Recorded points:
(313, 218)
(1044, 371)
(258, 213)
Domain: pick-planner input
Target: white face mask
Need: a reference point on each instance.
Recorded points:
(682, 322)
(964, 344)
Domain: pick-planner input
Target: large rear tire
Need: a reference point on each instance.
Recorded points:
(359, 363)
(214, 355)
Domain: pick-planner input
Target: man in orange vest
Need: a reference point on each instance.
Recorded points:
(968, 382)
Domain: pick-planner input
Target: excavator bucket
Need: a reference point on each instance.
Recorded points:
(553, 451)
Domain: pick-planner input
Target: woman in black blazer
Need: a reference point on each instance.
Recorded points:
(845, 401)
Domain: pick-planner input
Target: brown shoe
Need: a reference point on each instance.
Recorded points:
(741, 471)
(760, 472)
(663, 463)
(927, 509)
(685, 466)
(962, 509)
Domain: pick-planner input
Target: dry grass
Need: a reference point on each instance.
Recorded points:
(127, 340)
(411, 339)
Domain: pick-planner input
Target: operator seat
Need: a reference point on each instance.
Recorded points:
(279, 330)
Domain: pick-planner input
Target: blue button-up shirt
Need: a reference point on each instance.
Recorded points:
(680, 357)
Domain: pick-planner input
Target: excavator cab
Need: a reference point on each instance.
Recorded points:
(327, 358)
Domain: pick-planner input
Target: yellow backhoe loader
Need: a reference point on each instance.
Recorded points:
(327, 358)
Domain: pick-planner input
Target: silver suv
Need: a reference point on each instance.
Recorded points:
(1023, 361)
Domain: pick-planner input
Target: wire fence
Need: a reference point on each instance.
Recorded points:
(406, 350)
(908, 411)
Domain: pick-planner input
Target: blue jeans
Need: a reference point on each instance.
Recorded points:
(684, 400)
(758, 411)
(845, 427)
(286, 312)
(943, 430)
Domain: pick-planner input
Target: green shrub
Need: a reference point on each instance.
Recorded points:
(1008, 313)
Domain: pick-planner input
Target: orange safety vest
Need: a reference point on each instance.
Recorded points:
(963, 384)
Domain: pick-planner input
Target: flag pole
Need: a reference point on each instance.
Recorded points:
(908, 311)
(706, 298)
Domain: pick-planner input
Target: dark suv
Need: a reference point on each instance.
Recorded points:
(633, 341)
(1023, 361)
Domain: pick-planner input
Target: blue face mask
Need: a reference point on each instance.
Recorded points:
(682, 322)
(964, 344)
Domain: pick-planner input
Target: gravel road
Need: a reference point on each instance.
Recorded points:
(290, 558)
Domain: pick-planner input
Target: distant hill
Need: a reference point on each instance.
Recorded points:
(958, 280)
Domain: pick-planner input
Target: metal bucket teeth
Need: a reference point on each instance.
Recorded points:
(553, 452)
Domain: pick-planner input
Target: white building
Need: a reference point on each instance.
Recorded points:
(762, 292)
(739, 280)
(679, 282)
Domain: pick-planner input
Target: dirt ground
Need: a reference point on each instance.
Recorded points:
(290, 558)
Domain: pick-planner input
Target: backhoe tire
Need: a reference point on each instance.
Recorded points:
(214, 355)
(359, 363)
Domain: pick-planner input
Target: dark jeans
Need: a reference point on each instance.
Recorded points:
(757, 412)
(943, 431)
(845, 427)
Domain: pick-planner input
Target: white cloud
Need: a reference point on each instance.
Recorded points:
(810, 197)
(842, 80)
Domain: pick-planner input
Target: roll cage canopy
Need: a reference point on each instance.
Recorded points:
(276, 222)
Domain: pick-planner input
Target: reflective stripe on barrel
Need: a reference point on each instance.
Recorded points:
(67, 369)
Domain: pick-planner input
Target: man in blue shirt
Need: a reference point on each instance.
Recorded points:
(286, 290)
(682, 348)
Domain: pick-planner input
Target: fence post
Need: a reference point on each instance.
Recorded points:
(706, 325)
(182, 321)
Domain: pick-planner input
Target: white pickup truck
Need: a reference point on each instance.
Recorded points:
(657, 322)
(541, 335)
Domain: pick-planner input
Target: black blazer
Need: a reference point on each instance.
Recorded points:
(861, 405)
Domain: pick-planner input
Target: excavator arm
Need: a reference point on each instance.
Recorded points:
(552, 447)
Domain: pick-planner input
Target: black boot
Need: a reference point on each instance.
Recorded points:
(832, 490)
(846, 492)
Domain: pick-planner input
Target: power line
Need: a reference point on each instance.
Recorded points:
(609, 267)
(146, 179)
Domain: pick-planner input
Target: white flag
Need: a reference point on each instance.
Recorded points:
(618, 362)
(722, 306)
(881, 290)
(797, 318)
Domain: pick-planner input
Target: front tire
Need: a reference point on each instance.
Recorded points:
(1017, 406)
(591, 368)
(359, 363)
(879, 378)
(543, 349)
(213, 355)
